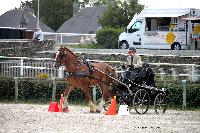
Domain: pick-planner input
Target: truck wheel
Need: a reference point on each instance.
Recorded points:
(176, 46)
(123, 45)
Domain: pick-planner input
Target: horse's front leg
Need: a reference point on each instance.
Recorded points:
(66, 95)
(89, 99)
(100, 105)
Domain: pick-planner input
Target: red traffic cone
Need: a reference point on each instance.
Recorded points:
(53, 107)
(112, 108)
(61, 103)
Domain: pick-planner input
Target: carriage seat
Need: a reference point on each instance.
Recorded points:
(146, 75)
(143, 75)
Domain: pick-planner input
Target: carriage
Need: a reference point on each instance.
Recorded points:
(140, 92)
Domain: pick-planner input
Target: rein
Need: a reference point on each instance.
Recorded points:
(91, 69)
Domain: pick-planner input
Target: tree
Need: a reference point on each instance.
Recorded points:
(53, 12)
(119, 14)
(25, 4)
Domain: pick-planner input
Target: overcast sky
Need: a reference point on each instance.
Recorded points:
(6, 5)
(171, 3)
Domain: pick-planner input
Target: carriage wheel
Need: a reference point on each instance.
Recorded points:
(141, 101)
(160, 103)
(106, 105)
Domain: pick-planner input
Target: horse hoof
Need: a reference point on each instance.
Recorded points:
(98, 111)
(93, 111)
(66, 110)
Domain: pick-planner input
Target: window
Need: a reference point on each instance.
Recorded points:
(136, 26)
(175, 20)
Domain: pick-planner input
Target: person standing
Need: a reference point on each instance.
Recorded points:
(38, 35)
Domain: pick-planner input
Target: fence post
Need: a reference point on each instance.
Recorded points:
(21, 67)
(16, 89)
(163, 74)
(54, 89)
(192, 73)
(184, 94)
(61, 38)
(60, 73)
(174, 73)
(94, 93)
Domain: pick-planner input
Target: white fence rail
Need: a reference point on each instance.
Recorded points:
(32, 67)
(29, 67)
(71, 38)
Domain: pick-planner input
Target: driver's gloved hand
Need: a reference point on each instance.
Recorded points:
(123, 66)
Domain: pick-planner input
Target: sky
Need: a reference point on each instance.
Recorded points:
(6, 5)
(171, 3)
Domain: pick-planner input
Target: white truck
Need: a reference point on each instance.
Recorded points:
(159, 29)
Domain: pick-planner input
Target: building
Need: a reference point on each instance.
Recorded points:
(83, 22)
(20, 20)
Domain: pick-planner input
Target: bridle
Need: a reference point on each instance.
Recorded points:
(61, 55)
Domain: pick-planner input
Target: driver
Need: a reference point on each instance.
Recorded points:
(133, 63)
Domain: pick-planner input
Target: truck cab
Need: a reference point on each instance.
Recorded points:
(132, 35)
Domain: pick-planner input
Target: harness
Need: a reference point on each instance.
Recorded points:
(88, 74)
(90, 66)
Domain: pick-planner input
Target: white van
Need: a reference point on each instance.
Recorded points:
(158, 29)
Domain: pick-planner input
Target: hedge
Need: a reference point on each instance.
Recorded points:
(108, 37)
(40, 91)
(37, 91)
(175, 96)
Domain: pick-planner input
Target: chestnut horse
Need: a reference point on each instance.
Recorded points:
(83, 74)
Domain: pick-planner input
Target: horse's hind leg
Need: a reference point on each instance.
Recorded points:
(66, 94)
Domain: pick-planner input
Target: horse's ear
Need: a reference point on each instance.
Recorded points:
(65, 48)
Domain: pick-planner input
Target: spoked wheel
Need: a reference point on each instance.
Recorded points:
(160, 103)
(106, 105)
(141, 101)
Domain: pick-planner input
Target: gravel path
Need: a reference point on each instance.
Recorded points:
(18, 118)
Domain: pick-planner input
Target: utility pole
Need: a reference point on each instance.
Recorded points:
(38, 14)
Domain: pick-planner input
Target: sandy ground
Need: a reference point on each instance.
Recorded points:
(18, 118)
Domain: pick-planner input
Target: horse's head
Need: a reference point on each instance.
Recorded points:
(64, 57)
(60, 57)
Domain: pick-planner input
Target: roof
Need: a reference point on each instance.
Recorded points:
(83, 22)
(148, 12)
(192, 19)
(14, 18)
